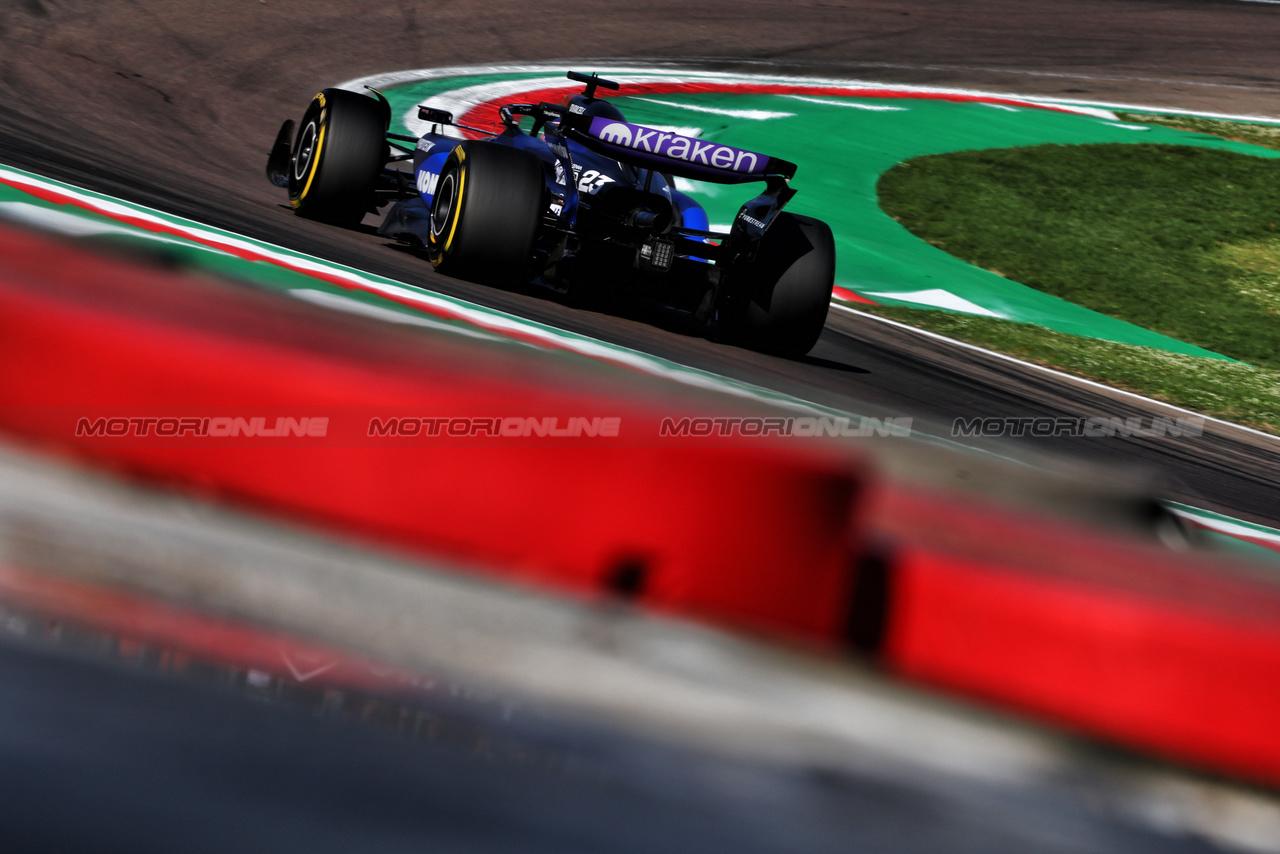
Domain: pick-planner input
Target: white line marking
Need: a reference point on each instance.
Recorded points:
(756, 115)
(390, 315)
(1081, 380)
(302, 675)
(1167, 111)
(939, 299)
(74, 225)
(1026, 73)
(1231, 528)
(833, 102)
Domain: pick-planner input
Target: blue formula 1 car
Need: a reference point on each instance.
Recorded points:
(573, 197)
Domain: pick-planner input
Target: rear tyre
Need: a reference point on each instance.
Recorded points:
(340, 148)
(485, 213)
(783, 296)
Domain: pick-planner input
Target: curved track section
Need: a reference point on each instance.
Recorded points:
(92, 96)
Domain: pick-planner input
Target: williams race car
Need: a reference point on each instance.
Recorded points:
(573, 197)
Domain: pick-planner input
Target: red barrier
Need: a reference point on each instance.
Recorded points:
(752, 535)
(1160, 651)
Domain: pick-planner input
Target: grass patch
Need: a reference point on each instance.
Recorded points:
(1181, 240)
(1251, 132)
(1258, 276)
(1237, 392)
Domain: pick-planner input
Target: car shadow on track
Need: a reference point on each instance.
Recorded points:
(650, 313)
(819, 362)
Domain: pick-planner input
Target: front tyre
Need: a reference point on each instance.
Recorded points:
(340, 148)
(781, 299)
(485, 213)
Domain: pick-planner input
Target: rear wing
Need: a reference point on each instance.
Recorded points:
(663, 151)
(696, 160)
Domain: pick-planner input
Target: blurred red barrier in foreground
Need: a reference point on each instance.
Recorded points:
(1138, 645)
(1162, 651)
(745, 534)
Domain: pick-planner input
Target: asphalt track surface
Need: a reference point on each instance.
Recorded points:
(175, 108)
(107, 756)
